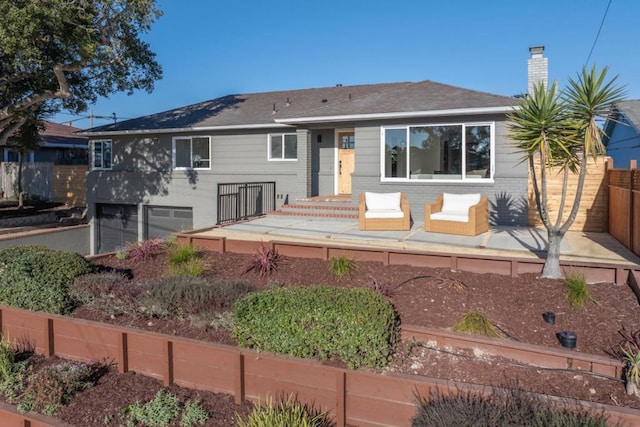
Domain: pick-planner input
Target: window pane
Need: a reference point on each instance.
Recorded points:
(276, 146)
(450, 144)
(424, 157)
(183, 153)
(290, 146)
(97, 155)
(106, 153)
(478, 151)
(201, 154)
(395, 153)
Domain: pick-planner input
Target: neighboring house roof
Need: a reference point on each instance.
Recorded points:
(57, 135)
(275, 109)
(631, 109)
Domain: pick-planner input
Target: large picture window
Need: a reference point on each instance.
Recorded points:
(438, 152)
(192, 152)
(283, 146)
(101, 154)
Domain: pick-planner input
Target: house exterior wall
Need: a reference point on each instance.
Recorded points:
(624, 143)
(142, 174)
(507, 193)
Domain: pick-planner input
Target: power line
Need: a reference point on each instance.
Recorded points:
(598, 35)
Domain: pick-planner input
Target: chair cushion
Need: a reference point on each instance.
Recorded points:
(450, 216)
(382, 201)
(383, 213)
(459, 203)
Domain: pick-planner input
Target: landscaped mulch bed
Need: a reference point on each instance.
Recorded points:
(434, 298)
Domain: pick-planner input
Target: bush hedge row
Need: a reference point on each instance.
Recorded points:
(357, 325)
(39, 278)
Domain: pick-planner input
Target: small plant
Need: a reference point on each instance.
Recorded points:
(629, 352)
(163, 411)
(160, 411)
(474, 322)
(112, 291)
(191, 268)
(193, 414)
(264, 261)
(342, 265)
(54, 385)
(122, 254)
(577, 290)
(146, 250)
(181, 254)
(285, 413)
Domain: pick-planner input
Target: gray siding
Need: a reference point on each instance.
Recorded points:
(142, 173)
(624, 144)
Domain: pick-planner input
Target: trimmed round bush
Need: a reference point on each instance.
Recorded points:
(39, 278)
(357, 325)
(173, 296)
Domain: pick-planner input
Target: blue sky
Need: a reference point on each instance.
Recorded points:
(214, 48)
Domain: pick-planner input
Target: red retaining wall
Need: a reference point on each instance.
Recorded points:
(353, 397)
(512, 266)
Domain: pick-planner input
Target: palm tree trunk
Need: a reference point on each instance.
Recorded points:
(552, 269)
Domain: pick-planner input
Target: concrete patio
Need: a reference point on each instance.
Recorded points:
(527, 242)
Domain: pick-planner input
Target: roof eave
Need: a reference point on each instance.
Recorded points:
(398, 115)
(184, 130)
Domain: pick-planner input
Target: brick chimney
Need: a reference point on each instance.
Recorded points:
(538, 68)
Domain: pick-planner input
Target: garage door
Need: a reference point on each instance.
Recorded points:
(117, 226)
(161, 221)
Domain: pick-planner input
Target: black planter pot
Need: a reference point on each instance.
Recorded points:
(567, 339)
(549, 317)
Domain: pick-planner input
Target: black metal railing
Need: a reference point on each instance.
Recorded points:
(245, 200)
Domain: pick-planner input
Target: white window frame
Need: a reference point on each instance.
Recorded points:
(464, 179)
(281, 159)
(93, 154)
(190, 138)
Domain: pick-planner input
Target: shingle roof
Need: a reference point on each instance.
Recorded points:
(631, 109)
(268, 108)
(55, 133)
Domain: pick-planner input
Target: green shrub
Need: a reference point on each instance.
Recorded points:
(577, 290)
(285, 413)
(178, 296)
(342, 265)
(357, 325)
(511, 407)
(164, 410)
(474, 322)
(54, 385)
(191, 268)
(38, 278)
(180, 254)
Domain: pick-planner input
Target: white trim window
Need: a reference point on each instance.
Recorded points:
(101, 154)
(191, 152)
(446, 152)
(282, 147)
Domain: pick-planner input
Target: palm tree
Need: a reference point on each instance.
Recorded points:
(561, 132)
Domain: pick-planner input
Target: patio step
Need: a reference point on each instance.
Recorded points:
(320, 207)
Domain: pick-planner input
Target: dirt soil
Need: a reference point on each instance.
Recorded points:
(435, 298)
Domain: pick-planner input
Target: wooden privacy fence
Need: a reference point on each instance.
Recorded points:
(592, 214)
(624, 206)
(355, 398)
(59, 183)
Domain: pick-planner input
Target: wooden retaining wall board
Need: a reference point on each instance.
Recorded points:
(512, 266)
(356, 398)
